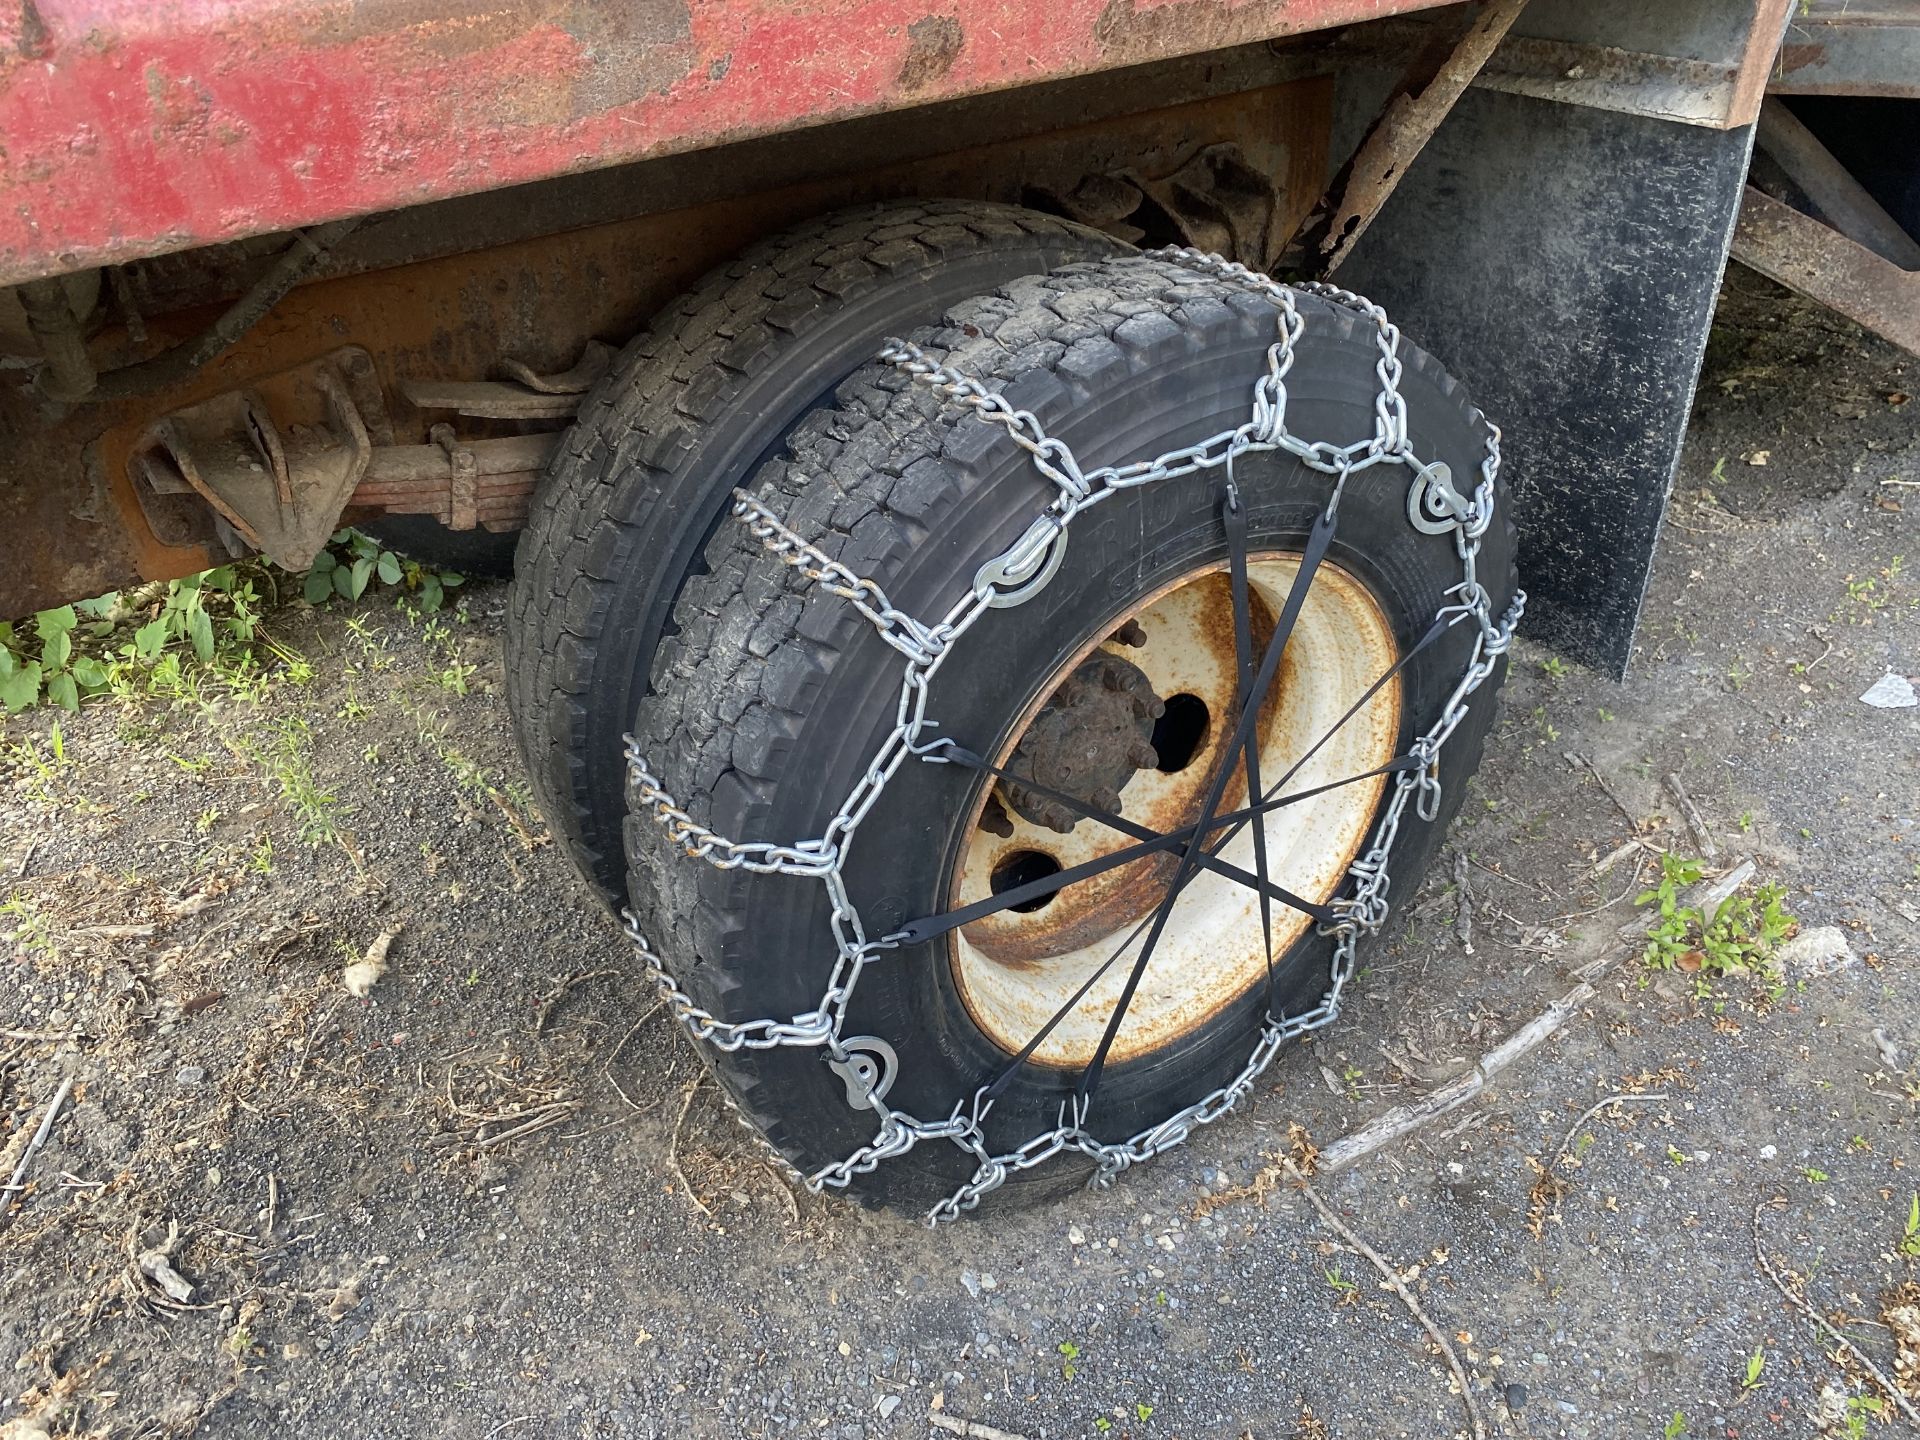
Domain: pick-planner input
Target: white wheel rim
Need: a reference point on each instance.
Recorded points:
(1016, 971)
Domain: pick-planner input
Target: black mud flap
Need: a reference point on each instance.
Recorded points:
(1564, 262)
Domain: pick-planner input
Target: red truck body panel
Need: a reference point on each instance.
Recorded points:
(135, 127)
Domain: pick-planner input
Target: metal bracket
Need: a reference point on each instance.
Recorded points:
(1433, 506)
(463, 479)
(1024, 570)
(868, 1070)
(281, 492)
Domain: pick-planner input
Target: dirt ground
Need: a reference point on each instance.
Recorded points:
(495, 1197)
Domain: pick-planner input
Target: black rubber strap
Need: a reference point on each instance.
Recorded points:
(1318, 540)
(1234, 521)
(932, 927)
(1269, 892)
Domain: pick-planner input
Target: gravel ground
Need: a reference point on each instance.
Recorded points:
(360, 1262)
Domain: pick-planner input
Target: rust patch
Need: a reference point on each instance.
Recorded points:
(633, 48)
(1128, 31)
(933, 44)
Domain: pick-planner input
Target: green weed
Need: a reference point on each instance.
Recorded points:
(354, 561)
(1740, 937)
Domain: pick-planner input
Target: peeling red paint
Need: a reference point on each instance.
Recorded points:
(132, 127)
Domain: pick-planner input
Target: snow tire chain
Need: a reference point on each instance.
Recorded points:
(925, 646)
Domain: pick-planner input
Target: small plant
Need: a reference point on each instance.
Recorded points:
(1756, 1364)
(1341, 1286)
(1677, 1156)
(31, 930)
(1142, 1411)
(455, 677)
(52, 670)
(1676, 1427)
(1859, 1409)
(1554, 667)
(1813, 1176)
(353, 561)
(1909, 1245)
(215, 615)
(1740, 937)
(285, 754)
(1069, 1353)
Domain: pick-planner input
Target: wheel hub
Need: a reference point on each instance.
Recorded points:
(1093, 735)
(1017, 969)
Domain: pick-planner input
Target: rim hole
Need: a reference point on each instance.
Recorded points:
(1023, 867)
(1179, 734)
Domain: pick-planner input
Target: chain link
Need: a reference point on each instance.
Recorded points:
(925, 647)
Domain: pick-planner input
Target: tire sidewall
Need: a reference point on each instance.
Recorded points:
(795, 376)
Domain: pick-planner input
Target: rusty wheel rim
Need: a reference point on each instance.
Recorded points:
(1017, 969)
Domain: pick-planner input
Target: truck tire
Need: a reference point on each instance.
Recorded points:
(684, 415)
(772, 696)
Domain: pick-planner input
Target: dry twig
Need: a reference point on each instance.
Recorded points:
(972, 1429)
(1702, 832)
(559, 992)
(18, 1180)
(1463, 900)
(1579, 761)
(673, 1145)
(606, 1067)
(1800, 1302)
(1593, 1110)
(1399, 1287)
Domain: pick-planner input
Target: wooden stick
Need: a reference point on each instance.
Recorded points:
(972, 1429)
(1398, 1286)
(1906, 1407)
(1702, 835)
(1576, 759)
(1403, 1120)
(15, 1184)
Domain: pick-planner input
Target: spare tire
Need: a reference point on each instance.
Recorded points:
(859, 1034)
(685, 414)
